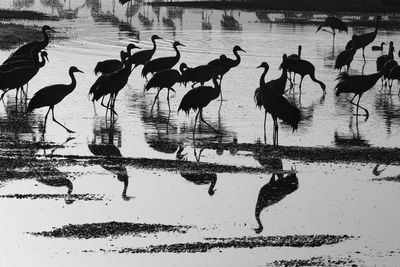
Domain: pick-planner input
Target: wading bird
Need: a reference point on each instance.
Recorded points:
(363, 40)
(335, 24)
(345, 58)
(381, 60)
(395, 74)
(378, 47)
(111, 65)
(199, 74)
(357, 84)
(294, 56)
(387, 68)
(267, 96)
(162, 63)
(27, 50)
(163, 79)
(143, 56)
(198, 98)
(52, 95)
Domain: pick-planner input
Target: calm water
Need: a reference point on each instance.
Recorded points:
(330, 199)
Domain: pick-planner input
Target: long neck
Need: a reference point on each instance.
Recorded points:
(262, 78)
(73, 80)
(217, 87)
(41, 64)
(178, 54)
(299, 51)
(154, 45)
(45, 40)
(237, 60)
(391, 50)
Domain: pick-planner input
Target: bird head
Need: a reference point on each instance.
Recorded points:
(176, 43)
(47, 28)
(130, 47)
(44, 55)
(155, 37)
(264, 65)
(284, 62)
(75, 69)
(238, 48)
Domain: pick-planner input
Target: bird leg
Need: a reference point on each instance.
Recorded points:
(195, 121)
(54, 119)
(155, 98)
(275, 131)
(301, 81)
(169, 107)
(363, 54)
(265, 128)
(114, 97)
(358, 106)
(202, 119)
(45, 120)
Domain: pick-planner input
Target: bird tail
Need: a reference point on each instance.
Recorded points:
(291, 115)
(98, 68)
(343, 76)
(258, 97)
(342, 85)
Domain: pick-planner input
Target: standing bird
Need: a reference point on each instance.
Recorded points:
(335, 24)
(111, 84)
(199, 74)
(345, 58)
(303, 68)
(363, 40)
(357, 84)
(111, 65)
(387, 68)
(27, 50)
(52, 95)
(274, 103)
(142, 56)
(198, 98)
(395, 74)
(381, 60)
(163, 79)
(378, 47)
(294, 56)
(162, 63)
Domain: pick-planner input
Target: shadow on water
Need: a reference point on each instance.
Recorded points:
(106, 143)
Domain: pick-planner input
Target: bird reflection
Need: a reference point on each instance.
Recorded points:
(197, 177)
(387, 109)
(205, 21)
(56, 178)
(377, 172)
(352, 139)
(228, 22)
(106, 142)
(273, 192)
(170, 25)
(146, 22)
(19, 4)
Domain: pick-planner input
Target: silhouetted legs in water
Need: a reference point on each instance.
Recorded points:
(54, 119)
(200, 114)
(156, 97)
(358, 106)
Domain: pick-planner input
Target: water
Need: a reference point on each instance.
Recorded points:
(330, 199)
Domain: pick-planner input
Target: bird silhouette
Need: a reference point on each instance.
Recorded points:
(27, 50)
(387, 68)
(273, 192)
(303, 68)
(163, 79)
(198, 98)
(110, 84)
(111, 65)
(24, 62)
(269, 96)
(378, 47)
(16, 78)
(294, 56)
(395, 74)
(381, 60)
(201, 178)
(335, 24)
(199, 74)
(363, 40)
(143, 56)
(224, 64)
(357, 84)
(345, 58)
(52, 95)
(162, 63)
(58, 179)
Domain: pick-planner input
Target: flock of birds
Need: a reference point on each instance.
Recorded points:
(23, 64)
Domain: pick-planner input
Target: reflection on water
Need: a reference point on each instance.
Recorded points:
(56, 178)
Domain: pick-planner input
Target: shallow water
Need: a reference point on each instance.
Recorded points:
(330, 198)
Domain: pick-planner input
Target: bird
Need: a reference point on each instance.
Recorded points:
(198, 98)
(24, 62)
(224, 64)
(199, 74)
(395, 74)
(378, 47)
(303, 68)
(201, 178)
(381, 60)
(294, 56)
(57, 179)
(387, 68)
(111, 84)
(52, 95)
(349, 44)
(111, 65)
(142, 56)
(357, 84)
(345, 58)
(273, 192)
(162, 63)
(31, 48)
(268, 96)
(335, 24)
(16, 78)
(163, 79)
(363, 40)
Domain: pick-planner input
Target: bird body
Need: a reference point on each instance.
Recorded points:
(378, 47)
(143, 56)
(344, 59)
(162, 63)
(199, 74)
(303, 68)
(224, 63)
(52, 95)
(335, 24)
(387, 68)
(395, 74)
(363, 40)
(23, 63)
(111, 65)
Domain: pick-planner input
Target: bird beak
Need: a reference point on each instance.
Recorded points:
(259, 66)
(242, 50)
(80, 71)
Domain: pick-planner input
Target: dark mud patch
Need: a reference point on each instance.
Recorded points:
(71, 198)
(243, 242)
(7, 14)
(315, 261)
(110, 229)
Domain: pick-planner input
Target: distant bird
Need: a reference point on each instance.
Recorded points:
(199, 74)
(111, 65)
(52, 95)
(162, 63)
(163, 79)
(27, 50)
(111, 84)
(381, 60)
(303, 68)
(378, 47)
(198, 98)
(273, 192)
(142, 56)
(274, 103)
(294, 56)
(395, 74)
(16, 78)
(363, 40)
(357, 84)
(335, 24)
(387, 68)
(345, 58)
